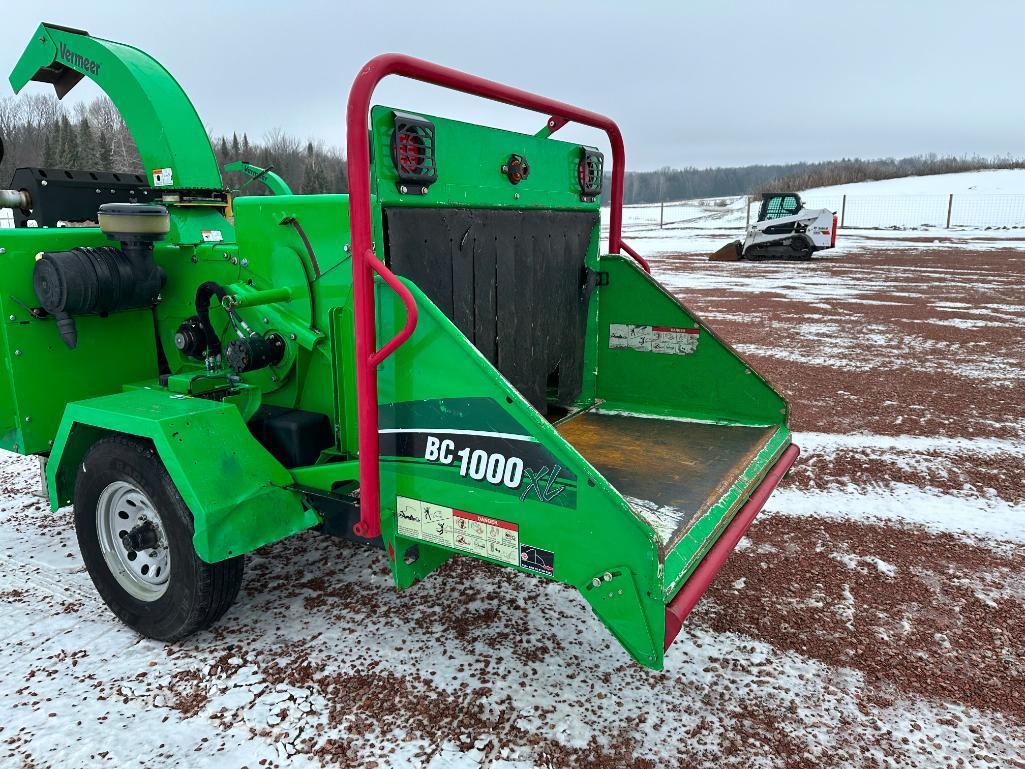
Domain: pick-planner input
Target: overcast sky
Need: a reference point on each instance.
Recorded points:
(690, 83)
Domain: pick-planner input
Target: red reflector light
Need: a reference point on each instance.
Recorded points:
(832, 239)
(413, 153)
(589, 173)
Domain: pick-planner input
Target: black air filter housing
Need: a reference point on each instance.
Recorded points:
(88, 280)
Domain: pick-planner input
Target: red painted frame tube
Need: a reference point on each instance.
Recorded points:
(696, 585)
(637, 257)
(365, 264)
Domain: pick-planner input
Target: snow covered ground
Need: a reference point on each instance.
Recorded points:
(989, 200)
(874, 616)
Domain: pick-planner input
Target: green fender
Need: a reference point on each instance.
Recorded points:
(237, 492)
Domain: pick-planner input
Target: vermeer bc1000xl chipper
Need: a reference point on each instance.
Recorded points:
(441, 362)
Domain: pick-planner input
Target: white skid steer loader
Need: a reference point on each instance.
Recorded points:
(785, 230)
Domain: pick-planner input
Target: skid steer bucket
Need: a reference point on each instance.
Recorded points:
(731, 252)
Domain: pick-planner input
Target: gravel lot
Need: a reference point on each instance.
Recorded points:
(874, 616)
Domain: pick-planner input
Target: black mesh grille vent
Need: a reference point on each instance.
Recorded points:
(589, 173)
(413, 152)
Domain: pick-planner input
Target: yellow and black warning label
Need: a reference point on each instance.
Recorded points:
(459, 529)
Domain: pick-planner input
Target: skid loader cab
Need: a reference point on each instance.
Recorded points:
(777, 205)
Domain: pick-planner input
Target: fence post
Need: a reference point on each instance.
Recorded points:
(950, 206)
(747, 213)
(843, 210)
(661, 213)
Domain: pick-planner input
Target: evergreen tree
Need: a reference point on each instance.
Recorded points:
(87, 150)
(235, 149)
(104, 151)
(68, 155)
(50, 149)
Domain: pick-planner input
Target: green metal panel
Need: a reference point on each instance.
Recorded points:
(237, 492)
(40, 373)
(470, 159)
(712, 383)
(587, 526)
(163, 122)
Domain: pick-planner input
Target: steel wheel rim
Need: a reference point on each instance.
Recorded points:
(133, 541)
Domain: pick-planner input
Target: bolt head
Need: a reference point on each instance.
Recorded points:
(17, 353)
(266, 320)
(516, 196)
(11, 318)
(3, 250)
(423, 190)
(292, 337)
(347, 248)
(28, 419)
(402, 189)
(607, 576)
(244, 262)
(596, 582)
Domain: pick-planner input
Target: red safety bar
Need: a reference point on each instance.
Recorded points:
(365, 264)
(699, 580)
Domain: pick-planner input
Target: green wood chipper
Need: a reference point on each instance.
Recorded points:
(443, 362)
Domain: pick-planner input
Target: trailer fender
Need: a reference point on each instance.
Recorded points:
(236, 490)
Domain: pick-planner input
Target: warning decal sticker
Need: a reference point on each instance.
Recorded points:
(469, 532)
(661, 339)
(163, 177)
(536, 559)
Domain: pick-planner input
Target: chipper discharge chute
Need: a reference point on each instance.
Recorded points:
(442, 362)
(785, 229)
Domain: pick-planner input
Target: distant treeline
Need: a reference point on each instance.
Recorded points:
(690, 183)
(39, 130)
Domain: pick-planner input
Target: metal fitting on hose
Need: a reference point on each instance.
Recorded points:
(15, 199)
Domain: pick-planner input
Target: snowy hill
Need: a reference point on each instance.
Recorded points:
(1003, 181)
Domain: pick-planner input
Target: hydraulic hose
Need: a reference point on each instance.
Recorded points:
(204, 293)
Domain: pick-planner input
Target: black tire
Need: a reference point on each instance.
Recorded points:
(197, 593)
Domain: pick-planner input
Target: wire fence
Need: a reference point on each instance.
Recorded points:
(950, 210)
(977, 210)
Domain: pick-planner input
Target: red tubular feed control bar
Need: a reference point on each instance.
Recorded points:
(698, 582)
(365, 264)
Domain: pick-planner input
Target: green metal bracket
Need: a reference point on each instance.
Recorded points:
(172, 141)
(271, 180)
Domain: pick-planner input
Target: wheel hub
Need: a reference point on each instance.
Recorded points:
(132, 540)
